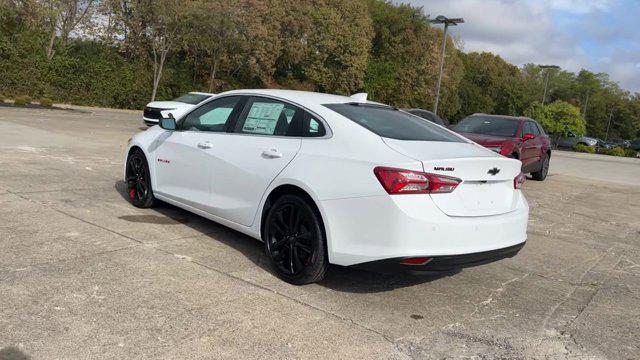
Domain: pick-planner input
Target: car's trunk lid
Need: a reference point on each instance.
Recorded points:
(487, 178)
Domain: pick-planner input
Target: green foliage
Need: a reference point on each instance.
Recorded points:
(559, 117)
(616, 151)
(490, 85)
(584, 148)
(22, 100)
(46, 102)
(404, 63)
(386, 48)
(630, 153)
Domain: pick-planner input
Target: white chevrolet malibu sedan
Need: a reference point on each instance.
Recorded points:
(325, 179)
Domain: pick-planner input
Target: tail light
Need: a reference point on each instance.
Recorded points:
(518, 181)
(399, 181)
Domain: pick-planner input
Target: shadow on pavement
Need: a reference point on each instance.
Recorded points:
(339, 278)
(12, 353)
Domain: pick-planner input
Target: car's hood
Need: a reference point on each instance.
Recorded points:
(485, 139)
(168, 105)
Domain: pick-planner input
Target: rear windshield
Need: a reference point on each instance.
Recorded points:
(392, 123)
(487, 125)
(192, 98)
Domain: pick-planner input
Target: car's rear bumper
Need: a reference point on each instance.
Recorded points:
(368, 229)
(442, 263)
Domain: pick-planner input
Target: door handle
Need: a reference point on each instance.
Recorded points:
(205, 145)
(271, 154)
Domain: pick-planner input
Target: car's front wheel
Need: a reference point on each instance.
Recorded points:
(138, 180)
(295, 241)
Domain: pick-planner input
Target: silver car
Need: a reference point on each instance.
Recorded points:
(571, 140)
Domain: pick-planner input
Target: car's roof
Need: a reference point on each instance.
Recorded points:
(416, 109)
(201, 93)
(297, 96)
(506, 117)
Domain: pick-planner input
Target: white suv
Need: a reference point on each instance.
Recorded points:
(155, 110)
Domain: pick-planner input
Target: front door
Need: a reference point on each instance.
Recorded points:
(183, 157)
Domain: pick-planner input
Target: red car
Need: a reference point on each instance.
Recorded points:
(515, 137)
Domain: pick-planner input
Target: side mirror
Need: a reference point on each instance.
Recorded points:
(528, 136)
(168, 123)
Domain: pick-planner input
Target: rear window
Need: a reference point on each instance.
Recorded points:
(192, 98)
(391, 123)
(487, 125)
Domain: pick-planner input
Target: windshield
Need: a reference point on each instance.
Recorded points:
(392, 123)
(192, 98)
(487, 125)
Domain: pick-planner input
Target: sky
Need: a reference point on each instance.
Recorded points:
(597, 35)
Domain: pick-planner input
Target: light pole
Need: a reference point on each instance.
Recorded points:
(606, 136)
(546, 82)
(446, 21)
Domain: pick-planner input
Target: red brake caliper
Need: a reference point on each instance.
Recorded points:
(132, 193)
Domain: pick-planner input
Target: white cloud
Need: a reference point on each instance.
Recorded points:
(519, 31)
(579, 6)
(539, 31)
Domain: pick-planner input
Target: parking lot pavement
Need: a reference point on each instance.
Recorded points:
(620, 170)
(84, 275)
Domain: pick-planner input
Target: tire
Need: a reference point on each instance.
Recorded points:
(138, 180)
(294, 241)
(541, 174)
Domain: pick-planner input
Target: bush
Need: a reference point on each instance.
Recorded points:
(584, 148)
(616, 151)
(630, 153)
(46, 102)
(22, 100)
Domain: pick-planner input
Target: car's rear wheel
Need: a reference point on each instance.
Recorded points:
(138, 180)
(295, 241)
(541, 174)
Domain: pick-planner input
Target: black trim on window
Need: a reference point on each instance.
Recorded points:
(306, 128)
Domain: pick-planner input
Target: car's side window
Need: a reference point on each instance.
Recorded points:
(312, 127)
(213, 116)
(540, 129)
(534, 129)
(264, 116)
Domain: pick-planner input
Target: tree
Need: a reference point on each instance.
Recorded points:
(491, 85)
(339, 46)
(323, 45)
(559, 118)
(62, 18)
(214, 33)
(403, 66)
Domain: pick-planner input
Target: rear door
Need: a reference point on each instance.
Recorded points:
(267, 136)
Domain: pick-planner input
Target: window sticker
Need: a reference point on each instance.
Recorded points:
(262, 118)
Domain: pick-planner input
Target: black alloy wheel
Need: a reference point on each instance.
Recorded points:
(541, 174)
(294, 241)
(138, 180)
